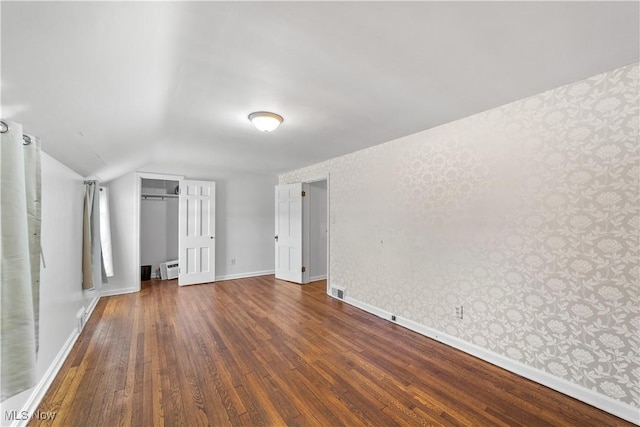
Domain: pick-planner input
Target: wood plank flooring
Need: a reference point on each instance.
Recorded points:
(263, 352)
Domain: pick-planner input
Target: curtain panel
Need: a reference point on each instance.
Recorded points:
(91, 245)
(20, 223)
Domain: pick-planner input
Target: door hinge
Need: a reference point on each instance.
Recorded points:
(304, 193)
(304, 269)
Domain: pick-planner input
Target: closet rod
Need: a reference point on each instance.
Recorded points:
(159, 196)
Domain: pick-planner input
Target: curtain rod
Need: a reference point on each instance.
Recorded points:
(4, 128)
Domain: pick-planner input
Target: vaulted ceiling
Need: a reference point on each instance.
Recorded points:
(112, 86)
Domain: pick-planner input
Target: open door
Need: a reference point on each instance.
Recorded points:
(197, 236)
(289, 233)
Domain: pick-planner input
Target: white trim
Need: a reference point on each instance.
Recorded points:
(121, 291)
(305, 233)
(136, 228)
(328, 290)
(316, 278)
(165, 177)
(317, 178)
(600, 401)
(218, 278)
(245, 275)
(366, 307)
(32, 403)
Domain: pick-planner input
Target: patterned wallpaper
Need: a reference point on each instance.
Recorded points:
(527, 214)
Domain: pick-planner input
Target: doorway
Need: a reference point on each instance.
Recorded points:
(302, 231)
(318, 230)
(158, 227)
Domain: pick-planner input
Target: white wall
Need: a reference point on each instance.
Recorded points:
(527, 215)
(124, 235)
(245, 219)
(317, 230)
(61, 295)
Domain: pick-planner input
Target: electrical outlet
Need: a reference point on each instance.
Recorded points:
(460, 312)
(233, 261)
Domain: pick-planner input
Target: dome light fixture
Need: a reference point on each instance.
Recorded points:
(265, 121)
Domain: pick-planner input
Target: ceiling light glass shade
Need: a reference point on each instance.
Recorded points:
(265, 121)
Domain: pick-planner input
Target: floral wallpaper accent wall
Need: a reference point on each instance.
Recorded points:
(527, 214)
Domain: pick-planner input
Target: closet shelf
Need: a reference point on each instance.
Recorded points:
(159, 196)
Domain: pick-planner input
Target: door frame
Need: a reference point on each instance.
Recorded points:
(138, 202)
(305, 224)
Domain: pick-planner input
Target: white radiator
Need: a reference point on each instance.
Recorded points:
(169, 270)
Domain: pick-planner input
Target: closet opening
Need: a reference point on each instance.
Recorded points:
(159, 229)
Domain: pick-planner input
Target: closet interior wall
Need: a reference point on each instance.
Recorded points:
(158, 223)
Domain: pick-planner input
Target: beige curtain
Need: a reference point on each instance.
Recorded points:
(91, 246)
(20, 222)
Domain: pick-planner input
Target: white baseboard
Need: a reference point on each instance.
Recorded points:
(316, 278)
(244, 275)
(32, 403)
(120, 291)
(368, 308)
(605, 403)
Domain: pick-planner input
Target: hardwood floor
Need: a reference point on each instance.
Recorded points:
(260, 351)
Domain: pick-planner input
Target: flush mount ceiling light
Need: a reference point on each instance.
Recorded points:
(265, 121)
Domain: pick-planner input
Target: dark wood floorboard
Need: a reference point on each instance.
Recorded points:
(263, 352)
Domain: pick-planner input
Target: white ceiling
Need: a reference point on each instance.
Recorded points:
(112, 86)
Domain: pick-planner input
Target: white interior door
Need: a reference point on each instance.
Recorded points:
(197, 235)
(289, 233)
